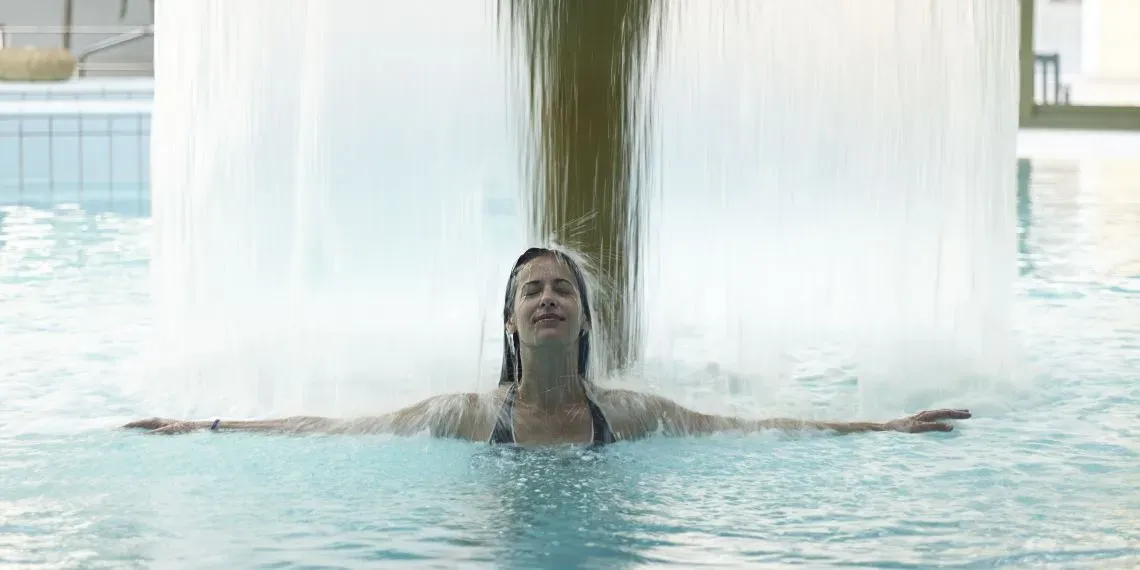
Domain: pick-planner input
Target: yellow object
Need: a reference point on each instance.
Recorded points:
(35, 64)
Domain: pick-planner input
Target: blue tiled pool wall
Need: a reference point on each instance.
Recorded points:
(67, 92)
(98, 162)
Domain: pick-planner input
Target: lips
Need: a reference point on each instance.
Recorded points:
(548, 317)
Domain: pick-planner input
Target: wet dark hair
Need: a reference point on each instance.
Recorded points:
(512, 367)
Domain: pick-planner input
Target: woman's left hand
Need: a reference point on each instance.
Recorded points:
(929, 420)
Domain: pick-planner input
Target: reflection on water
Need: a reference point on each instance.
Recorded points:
(1088, 211)
(1114, 215)
(1083, 262)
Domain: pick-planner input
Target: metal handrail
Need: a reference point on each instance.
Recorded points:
(113, 42)
(65, 29)
(1047, 62)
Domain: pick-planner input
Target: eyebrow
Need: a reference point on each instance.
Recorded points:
(556, 280)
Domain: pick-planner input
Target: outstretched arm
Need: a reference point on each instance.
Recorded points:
(446, 415)
(648, 414)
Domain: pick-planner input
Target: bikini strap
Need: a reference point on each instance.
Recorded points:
(504, 431)
(602, 432)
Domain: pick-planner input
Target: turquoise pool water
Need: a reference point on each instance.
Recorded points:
(1047, 479)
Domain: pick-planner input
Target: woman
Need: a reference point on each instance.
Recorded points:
(544, 394)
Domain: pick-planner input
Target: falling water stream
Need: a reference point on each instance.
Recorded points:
(834, 199)
(339, 189)
(333, 196)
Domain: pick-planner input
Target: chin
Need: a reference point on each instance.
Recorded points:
(551, 338)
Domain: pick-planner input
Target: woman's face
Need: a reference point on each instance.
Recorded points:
(548, 309)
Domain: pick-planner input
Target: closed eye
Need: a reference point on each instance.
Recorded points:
(561, 286)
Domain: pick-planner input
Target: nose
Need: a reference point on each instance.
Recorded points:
(548, 299)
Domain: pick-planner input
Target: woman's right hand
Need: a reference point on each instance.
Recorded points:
(929, 420)
(165, 425)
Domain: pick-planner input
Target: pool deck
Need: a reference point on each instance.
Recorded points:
(1076, 144)
(98, 97)
(80, 86)
(34, 109)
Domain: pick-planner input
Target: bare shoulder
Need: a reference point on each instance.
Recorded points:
(626, 401)
(466, 401)
(476, 413)
(632, 415)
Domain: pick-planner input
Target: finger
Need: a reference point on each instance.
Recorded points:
(935, 415)
(923, 427)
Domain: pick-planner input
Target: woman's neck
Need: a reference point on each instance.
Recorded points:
(550, 379)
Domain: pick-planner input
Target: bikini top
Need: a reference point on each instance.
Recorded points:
(504, 431)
